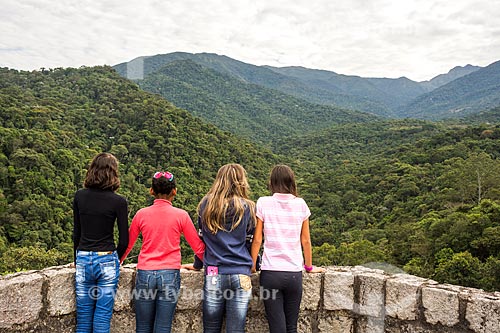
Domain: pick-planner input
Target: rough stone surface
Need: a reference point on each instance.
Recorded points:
(371, 294)
(395, 326)
(483, 313)
(191, 292)
(20, 299)
(335, 323)
(304, 323)
(440, 306)
(123, 322)
(256, 322)
(187, 321)
(40, 301)
(256, 303)
(125, 286)
(311, 287)
(370, 325)
(338, 290)
(61, 290)
(402, 294)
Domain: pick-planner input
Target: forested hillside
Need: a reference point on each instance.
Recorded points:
(469, 94)
(326, 94)
(461, 91)
(53, 122)
(418, 195)
(248, 110)
(422, 196)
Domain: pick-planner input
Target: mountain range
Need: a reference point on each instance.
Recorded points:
(461, 91)
(418, 194)
(243, 108)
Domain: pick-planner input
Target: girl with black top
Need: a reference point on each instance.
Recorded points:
(96, 208)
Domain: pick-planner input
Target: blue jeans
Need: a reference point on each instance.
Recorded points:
(96, 280)
(156, 295)
(227, 294)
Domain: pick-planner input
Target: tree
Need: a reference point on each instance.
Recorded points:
(462, 269)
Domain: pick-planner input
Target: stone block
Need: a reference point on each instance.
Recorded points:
(191, 292)
(370, 325)
(332, 322)
(61, 297)
(126, 285)
(440, 306)
(483, 313)
(20, 299)
(338, 293)
(258, 295)
(371, 294)
(187, 321)
(304, 323)
(122, 322)
(402, 296)
(311, 291)
(256, 322)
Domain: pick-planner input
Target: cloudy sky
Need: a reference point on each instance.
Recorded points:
(418, 39)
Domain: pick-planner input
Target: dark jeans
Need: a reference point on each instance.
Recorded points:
(156, 295)
(282, 310)
(227, 294)
(96, 280)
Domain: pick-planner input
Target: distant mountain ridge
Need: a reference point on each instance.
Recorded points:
(247, 109)
(468, 94)
(393, 98)
(388, 92)
(260, 75)
(453, 74)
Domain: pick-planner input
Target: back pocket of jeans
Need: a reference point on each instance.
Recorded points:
(245, 282)
(108, 270)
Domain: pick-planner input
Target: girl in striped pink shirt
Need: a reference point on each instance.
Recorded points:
(283, 220)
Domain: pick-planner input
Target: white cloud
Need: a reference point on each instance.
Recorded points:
(391, 38)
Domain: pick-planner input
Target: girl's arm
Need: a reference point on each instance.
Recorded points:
(133, 232)
(77, 230)
(191, 235)
(123, 233)
(305, 239)
(256, 242)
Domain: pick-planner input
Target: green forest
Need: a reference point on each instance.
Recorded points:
(421, 196)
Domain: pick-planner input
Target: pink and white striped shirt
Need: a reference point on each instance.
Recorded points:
(282, 216)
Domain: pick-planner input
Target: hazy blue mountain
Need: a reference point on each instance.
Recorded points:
(474, 92)
(388, 92)
(249, 110)
(453, 74)
(260, 75)
(461, 91)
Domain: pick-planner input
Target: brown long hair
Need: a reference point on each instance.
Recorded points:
(230, 190)
(282, 180)
(103, 173)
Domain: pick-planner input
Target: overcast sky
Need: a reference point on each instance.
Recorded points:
(418, 39)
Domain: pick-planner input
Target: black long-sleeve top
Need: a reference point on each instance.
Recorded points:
(94, 213)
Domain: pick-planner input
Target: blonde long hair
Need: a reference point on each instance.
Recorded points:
(230, 190)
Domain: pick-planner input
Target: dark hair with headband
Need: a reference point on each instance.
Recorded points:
(163, 182)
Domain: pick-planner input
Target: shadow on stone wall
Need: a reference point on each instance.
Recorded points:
(343, 299)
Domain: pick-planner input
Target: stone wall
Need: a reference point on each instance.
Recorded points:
(343, 299)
